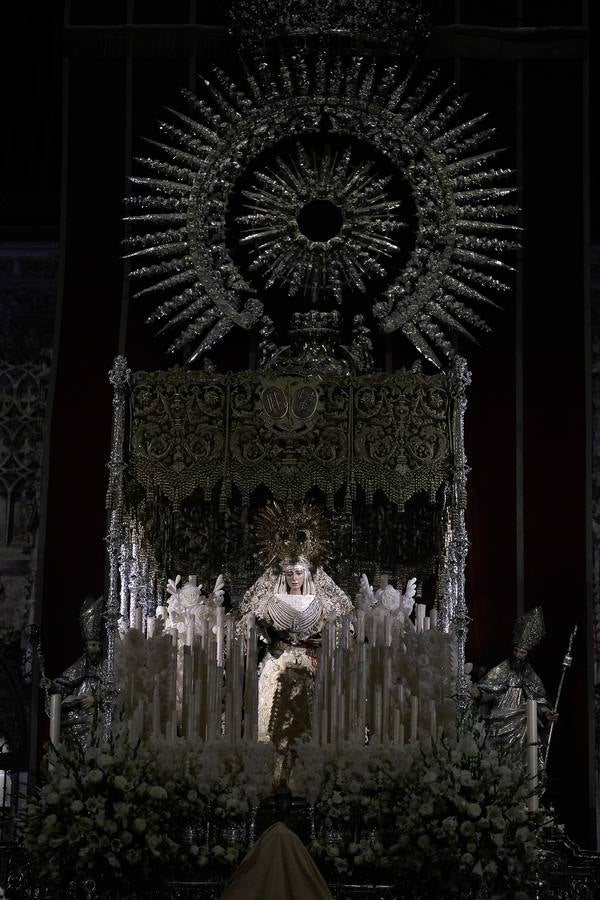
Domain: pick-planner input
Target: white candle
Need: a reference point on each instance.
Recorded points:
(315, 730)
(139, 612)
(234, 664)
(414, 718)
(533, 802)
(211, 682)
(372, 627)
(324, 725)
(345, 632)
(189, 631)
(197, 693)
(360, 627)
(387, 694)
(426, 623)
(186, 705)
(172, 685)
(401, 700)
(333, 721)
(388, 629)
(218, 691)
(332, 633)
(352, 717)
(201, 690)
(150, 626)
(420, 616)
(239, 690)
(341, 729)
(220, 634)
(156, 708)
(251, 702)
(228, 706)
(55, 704)
(432, 720)
(230, 633)
(363, 662)
(379, 712)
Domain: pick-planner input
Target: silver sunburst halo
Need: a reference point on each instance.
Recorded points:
(460, 199)
(317, 222)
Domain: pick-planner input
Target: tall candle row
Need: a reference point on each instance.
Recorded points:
(367, 682)
(210, 688)
(357, 693)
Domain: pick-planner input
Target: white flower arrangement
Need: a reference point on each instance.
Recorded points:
(119, 812)
(100, 814)
(450, 812)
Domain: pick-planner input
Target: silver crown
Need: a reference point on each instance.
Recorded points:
(401, 23)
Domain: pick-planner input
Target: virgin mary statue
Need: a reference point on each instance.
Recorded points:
(291, 602)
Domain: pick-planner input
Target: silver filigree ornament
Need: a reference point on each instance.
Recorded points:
(454, 264)
(317, 223)
(399, 23)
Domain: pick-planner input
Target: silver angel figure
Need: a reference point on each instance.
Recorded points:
(291, 604)
(507, 687)
(80, 684)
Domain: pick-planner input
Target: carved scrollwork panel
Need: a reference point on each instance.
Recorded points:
(401, 434)
(178, 431)
(290, 433)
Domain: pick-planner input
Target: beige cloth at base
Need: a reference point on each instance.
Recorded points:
(279, 867)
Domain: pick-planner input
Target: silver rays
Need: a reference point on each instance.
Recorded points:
(347, 226)
(454, 264)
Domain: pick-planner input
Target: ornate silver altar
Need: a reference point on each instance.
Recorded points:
(223, 444)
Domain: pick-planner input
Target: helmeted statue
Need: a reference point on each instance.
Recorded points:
(80, 684)
(291, 602)
(507, 687)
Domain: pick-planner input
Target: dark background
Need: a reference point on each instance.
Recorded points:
(86, 81)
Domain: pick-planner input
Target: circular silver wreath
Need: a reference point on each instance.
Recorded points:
(459, 196)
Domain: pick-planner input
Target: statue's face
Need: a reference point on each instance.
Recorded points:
(294, 578)
(94, 650)
(519, 653)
